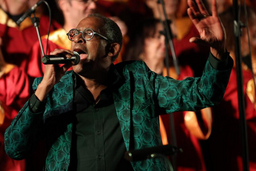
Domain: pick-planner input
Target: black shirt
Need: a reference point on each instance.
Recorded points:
(99, 142)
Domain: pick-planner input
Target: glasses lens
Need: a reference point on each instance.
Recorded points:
(72, 33)
(88, 34)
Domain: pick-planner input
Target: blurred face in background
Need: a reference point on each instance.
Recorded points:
(171, 7)
(154, 45)
(82, 8)
(76, 10)
(15, 7)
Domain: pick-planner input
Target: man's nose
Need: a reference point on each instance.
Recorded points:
(79, 38)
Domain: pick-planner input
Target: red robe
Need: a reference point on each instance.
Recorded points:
(14, 92)
(18, 40)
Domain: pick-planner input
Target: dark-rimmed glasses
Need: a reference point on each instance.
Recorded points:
(87, 34)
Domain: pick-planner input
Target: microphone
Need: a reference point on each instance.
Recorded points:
(29, 12)
(53, 59)
(147, 153)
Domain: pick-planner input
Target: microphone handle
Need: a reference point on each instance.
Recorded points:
(51, 59)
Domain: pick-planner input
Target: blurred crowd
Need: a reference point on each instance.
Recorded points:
(210, 138)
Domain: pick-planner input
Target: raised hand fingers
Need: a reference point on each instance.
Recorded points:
(202, 9)
(197, 10)
(214, 8)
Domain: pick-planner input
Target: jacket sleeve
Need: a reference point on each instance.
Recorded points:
(193, 93)
(24, 132)
(29, 127)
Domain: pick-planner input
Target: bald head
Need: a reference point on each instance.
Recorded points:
(109, 28)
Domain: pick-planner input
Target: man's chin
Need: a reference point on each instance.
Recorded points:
(82, 68)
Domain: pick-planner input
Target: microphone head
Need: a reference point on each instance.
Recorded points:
(77, 59)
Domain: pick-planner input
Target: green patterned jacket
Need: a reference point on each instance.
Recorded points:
(141, 96)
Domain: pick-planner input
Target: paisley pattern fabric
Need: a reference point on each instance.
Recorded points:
(140, 97)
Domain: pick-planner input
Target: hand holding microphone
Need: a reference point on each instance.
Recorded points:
(54, 72)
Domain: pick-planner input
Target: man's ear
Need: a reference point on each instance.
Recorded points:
(113, 49)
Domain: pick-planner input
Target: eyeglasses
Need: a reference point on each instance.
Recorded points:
(87, 34)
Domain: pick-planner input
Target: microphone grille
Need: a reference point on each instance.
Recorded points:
(76, 53)
(77, 60)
